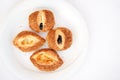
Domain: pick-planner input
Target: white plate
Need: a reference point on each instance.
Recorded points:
(17, 21)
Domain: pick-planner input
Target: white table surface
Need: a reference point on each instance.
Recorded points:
(103, 57)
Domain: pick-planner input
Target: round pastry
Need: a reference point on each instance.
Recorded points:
(41, 21)
(28, 41)
(59, 38)
(46, 59)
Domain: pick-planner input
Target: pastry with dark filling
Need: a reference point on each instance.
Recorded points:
(41, 21)
(59, 38)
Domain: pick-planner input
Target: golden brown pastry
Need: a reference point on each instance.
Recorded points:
(28, 41)
(41, 21)
(46, 59)
(59, 38)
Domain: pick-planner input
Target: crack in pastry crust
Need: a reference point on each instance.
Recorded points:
(46, 59)
(28, 41)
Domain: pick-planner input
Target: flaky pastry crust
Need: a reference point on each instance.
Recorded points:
(28, 41)
(46, 59)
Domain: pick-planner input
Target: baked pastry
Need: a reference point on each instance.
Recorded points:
(28, 41)
(59, 38)
(41, 21)
(46, 59)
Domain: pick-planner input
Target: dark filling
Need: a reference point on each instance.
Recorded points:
(41, 26)
(59, 40)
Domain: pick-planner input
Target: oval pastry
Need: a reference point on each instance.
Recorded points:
(28, 41)
(60, 38)
(46, 59)
(41, 21)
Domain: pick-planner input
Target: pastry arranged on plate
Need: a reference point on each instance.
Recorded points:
(41, 21)
(59, 38)
(46, 59)
(28, 41)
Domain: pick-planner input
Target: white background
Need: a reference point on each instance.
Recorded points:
(103, 22)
